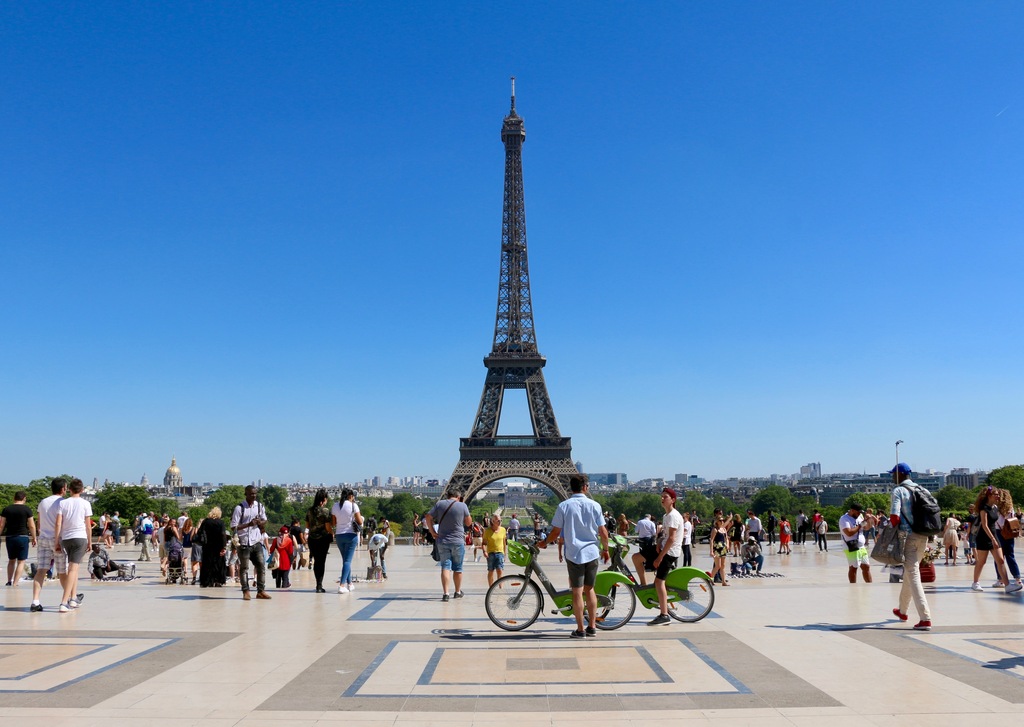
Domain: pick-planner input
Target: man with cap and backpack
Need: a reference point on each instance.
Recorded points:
(915, 512)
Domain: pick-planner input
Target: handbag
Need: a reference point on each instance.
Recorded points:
(275, 560)
(435, 553)
(888, 548)
(1010, 528)
(355, 526)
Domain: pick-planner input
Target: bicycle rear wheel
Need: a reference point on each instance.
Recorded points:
(513, 603)
(694, 602)
(615, 609)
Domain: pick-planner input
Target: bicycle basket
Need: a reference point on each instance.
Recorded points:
(519, 554)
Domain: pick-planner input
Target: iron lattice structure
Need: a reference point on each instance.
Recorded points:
(514, 361)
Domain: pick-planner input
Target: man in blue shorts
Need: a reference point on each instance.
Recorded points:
(452, 518)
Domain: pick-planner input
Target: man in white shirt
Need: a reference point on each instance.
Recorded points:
(687, 539)
(46, 552)
(753, 525)
(146, 529)
(646, 532)
(668, 553)
(248, 521)
(852, 527)
(73, 536)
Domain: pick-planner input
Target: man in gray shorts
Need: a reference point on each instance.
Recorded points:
(580, 521)
(73, 535)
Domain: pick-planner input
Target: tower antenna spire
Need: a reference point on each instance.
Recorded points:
(513, 94)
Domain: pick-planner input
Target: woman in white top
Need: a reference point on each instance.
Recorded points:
(346, 520)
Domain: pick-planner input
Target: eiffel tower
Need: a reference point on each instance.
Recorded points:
(514, 361)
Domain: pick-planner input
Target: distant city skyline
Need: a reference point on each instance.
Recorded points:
(384, 478)
(265, 239)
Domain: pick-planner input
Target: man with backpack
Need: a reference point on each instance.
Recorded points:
(909, 513)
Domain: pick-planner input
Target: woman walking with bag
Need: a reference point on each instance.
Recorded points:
(346, 520)
(321, 535)
(987, 541)
(1008, 528)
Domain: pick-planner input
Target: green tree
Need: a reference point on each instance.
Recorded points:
(954, 497)
(1010, 477)
(129, 500)
(226, 498)
(877, 501)
(695, 502)
(275, 500)
(166, 505)
(724, 504)
(776, 498)
(402, 506)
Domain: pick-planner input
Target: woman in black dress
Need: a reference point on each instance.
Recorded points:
(213, 538)
(987, 541)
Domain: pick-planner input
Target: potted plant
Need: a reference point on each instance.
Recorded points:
(933, 551)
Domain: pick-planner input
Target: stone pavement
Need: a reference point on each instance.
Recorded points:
(807, 648)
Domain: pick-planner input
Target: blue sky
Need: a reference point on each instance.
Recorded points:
(264, 238)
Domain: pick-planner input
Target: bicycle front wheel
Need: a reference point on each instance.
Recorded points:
(615, 609)
(693, 602)
(513, 603)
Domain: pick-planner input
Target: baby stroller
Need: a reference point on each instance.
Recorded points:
(176, 563)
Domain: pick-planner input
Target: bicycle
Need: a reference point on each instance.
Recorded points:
(514, 602)
(688, 602)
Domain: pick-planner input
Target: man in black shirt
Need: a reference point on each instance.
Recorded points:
(20, 527)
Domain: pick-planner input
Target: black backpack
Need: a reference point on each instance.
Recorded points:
(925, 512)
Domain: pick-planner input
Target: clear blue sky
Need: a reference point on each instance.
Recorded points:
(264, 238)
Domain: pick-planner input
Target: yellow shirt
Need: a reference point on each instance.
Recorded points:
(494, 540)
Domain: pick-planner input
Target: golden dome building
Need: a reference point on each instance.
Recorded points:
(172, 479)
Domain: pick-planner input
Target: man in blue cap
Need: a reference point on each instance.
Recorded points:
(915, 545)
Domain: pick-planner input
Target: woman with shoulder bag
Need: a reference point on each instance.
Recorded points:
(1008, 528)
(987, 540)
(321, 535)
(346, 520)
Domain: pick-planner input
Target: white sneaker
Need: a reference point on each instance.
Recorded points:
(976, 586)
(997, 584)
(1014, 587)
(342, 589)
(351, 587)
(63, 608)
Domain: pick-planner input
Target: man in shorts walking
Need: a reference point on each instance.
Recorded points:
(451, 516)
(73, 536)
(670, 550)
(852, 526)
(496, 548)
(580, 521)
(47, 554)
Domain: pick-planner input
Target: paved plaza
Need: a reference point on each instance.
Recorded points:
(805, 648)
